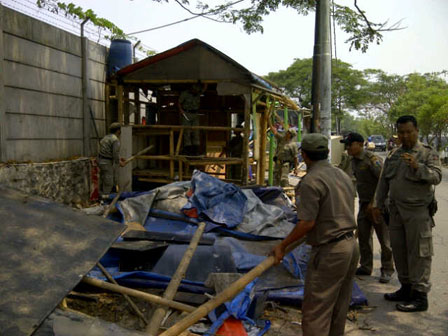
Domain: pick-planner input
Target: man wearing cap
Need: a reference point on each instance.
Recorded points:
(324, 200)
(189, 103)
(367, 169)
(286, 154)
(410, 173)
(109, 159)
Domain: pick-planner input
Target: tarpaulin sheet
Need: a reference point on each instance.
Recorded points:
(222, 203)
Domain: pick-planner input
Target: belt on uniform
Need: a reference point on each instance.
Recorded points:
(191, 111)
(344, 236)
(105, 158)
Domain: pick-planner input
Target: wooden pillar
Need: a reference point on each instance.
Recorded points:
(119, 94)
(3, 126)
(126, 105)
(172, 154)
(245, 165)
(263, 143)
(137, 117)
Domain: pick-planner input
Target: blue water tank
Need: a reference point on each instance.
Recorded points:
(120, 55)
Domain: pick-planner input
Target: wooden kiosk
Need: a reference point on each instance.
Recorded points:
(144, 95)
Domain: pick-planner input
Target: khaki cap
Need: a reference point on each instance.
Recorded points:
(315, 142)
(114, 126)
(292, 132)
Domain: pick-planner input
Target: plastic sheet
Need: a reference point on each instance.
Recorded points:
(222, 203)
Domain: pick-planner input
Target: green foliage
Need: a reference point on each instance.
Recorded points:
(425, 97)
(354, 23)
(77, 13)
(346, 83)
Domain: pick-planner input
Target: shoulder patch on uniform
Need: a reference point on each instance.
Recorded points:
(392, 152)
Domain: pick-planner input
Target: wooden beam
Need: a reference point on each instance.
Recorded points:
(172, 154)
(137, 116)
(171, 290)
(226, 295)
(179, 127)
(138, 294)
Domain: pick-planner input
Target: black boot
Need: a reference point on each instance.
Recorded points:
(418, 302)
(403, 294)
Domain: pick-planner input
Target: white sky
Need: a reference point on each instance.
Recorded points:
(422, 47)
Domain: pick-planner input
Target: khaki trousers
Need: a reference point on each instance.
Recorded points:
(365, 228)
(328, 287)
(411, 238)
(281, 172)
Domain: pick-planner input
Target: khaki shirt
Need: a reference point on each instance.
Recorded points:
(325, 195)
(367, 170)
(286, 151)
(402, 183)
(190, 101)
(110, 148)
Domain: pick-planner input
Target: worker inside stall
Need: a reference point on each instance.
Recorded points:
(234, 149)
(189, 104)
(286, 154)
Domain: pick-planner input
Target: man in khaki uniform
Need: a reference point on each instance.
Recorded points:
(285, 156)
(324, 200)
(189, 104)
(109, 159)
(408, 178)
(366, 170)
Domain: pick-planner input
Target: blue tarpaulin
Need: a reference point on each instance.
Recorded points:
(222, 203)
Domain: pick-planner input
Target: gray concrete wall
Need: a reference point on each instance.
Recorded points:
(41, 107)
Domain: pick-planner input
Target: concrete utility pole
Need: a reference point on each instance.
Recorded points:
(321, 86)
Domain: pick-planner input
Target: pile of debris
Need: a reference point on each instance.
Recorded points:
(196, 247)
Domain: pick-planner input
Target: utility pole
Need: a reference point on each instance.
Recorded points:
(321, 84)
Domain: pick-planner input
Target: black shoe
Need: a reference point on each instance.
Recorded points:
(385, 277)
(362, 271)
(403, 294)
(419, 302)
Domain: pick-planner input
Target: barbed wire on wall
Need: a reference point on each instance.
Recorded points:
(68, 24)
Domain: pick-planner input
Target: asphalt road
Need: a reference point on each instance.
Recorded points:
(381, 317)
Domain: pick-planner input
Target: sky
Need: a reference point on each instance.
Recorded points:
(421, 47)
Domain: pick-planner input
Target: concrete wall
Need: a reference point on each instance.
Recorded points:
(41, 102)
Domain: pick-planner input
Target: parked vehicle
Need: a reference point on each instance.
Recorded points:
(379, 141)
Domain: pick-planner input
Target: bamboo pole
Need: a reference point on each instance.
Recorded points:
(143, 151)
(225, 295)
(138, 294)
(111, 205)
(171, 290)
(128, 299)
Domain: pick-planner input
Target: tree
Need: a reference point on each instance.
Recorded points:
(380, 92)
(425, 97)
(354, 22)
(346, 84)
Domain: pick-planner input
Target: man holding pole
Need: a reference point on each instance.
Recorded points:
(324, 200)
(109, 159)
